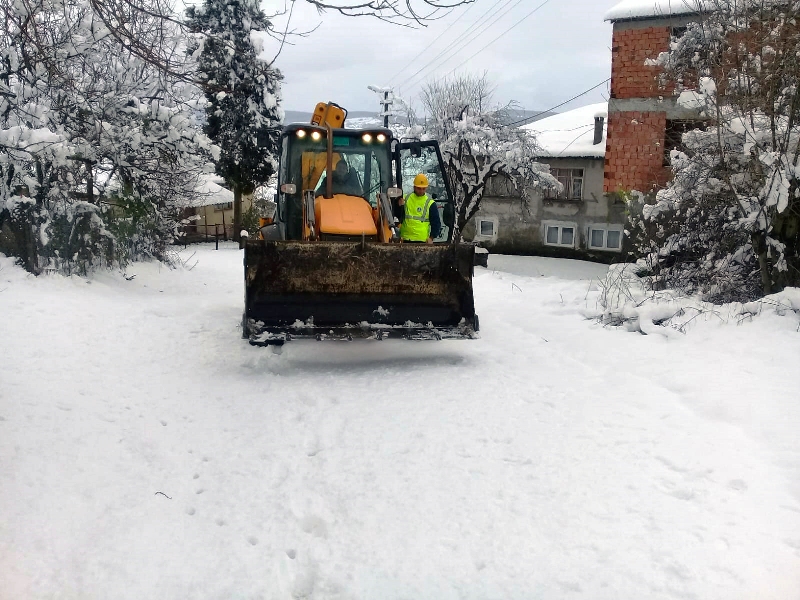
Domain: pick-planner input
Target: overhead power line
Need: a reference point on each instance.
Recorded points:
(464, 33)
(454, 51)
(477, 27)
(436, 39)
(501, 35)
(552, 108)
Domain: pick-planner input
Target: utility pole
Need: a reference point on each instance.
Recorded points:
(386, 100)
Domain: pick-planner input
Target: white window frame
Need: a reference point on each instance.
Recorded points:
(223, 206)
(561, 225)
(605, 229)
(478, 235)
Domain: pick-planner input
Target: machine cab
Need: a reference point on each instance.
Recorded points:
(334, 184)
(346, 199)
(414, 157)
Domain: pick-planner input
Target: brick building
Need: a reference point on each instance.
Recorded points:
(645, 120)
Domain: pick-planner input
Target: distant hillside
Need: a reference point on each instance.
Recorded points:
(298, 116)
(365, 118)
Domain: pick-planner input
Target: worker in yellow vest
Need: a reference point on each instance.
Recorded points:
(420, 221)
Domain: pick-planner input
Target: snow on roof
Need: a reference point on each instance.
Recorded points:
(210, 192)
(571, 134)
(643, 9)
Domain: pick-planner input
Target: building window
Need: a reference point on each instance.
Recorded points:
(501, 186)
(485, 228)
(559, 234)
(673, 135)
(678, 32)
(604, 238)
(572, 180)
(223, 206)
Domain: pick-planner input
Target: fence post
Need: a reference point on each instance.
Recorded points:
(216, 237)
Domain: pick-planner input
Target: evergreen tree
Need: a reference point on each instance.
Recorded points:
(243, 93)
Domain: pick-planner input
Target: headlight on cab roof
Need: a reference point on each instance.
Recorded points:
(381, 137)
(316, 136)
(366, 138)
(301, 133)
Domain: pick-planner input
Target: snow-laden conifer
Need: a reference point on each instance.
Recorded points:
(242, 90)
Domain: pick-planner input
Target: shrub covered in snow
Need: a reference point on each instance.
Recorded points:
(624, 299)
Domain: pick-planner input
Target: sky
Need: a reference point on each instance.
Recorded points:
(543, 53)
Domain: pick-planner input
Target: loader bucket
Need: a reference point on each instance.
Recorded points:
(341, 290)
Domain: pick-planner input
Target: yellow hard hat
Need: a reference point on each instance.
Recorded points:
(421, 181)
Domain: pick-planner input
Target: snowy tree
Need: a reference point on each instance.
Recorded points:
(243, 93)
(727, 224)
(477, 143)
(97, 146)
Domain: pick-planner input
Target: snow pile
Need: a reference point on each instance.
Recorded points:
(785, 303)
(621, 299)
(642, 9)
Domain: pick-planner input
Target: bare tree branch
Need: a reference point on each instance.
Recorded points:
(406, 12)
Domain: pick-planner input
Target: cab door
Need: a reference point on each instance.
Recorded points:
(412, 158)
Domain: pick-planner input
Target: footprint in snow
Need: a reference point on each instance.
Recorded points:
(190, 511)
(315, 526)
(737, 484)
(252, 540)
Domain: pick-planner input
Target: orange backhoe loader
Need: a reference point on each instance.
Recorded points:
(331, 264)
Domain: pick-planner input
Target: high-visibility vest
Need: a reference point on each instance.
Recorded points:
(416, 227)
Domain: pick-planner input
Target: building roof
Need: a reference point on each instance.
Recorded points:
(209, 191)
(648, 9)
(571, 134)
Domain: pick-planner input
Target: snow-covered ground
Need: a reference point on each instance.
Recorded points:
(147, 451)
